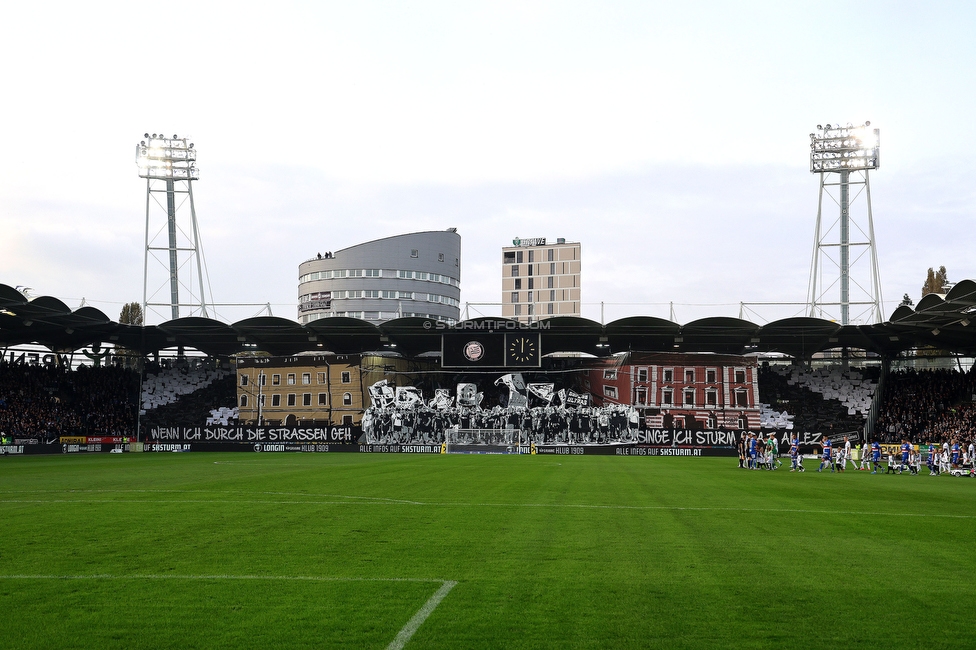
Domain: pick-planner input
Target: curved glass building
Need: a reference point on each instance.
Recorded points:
(417, 274)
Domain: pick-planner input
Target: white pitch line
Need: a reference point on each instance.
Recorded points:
(377, 501)
(108, 576)
(402, 637)
(418, 619)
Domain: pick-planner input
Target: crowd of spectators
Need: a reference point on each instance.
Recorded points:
(927, 406)
(44, 403)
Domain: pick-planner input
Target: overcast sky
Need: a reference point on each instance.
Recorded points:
(670, 139)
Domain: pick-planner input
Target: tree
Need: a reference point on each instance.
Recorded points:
(935, 281)
(906, 301)
(132, 313)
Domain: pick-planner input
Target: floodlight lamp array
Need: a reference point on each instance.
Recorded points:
(163, 158)
(836, 148)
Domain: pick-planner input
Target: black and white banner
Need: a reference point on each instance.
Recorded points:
(345, 434)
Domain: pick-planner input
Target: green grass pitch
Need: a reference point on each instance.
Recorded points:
(345, 550)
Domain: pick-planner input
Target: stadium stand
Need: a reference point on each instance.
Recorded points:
(43, 403)
(824, 400)
(189, 398)
(927, 406)
(168, 385)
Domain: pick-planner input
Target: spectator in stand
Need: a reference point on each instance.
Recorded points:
(927, 405)
(45, 403)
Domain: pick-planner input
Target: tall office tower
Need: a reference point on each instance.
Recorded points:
(540, 280)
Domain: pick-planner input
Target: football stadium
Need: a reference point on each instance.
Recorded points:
(485, 482)
(387, 463)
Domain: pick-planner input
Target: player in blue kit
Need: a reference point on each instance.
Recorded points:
(906, 451)
(752, 451)
(795, 465)
(954, 459)
(826, 460)
(876, 456)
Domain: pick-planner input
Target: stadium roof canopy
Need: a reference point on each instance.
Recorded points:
(947, 322)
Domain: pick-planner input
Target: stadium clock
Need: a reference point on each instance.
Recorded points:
(522, 350)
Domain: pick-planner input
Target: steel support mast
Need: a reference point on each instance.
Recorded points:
(843, 157)
(171, 260)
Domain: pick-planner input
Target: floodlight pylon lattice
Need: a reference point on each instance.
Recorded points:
(844, 156)
(173, 251)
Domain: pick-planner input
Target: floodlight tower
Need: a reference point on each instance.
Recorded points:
(169, 167)
(843, 156)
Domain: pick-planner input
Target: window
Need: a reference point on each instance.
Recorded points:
(741, 398)
(642, 396)
(263, 379)
(414, 252)
(642, 374)
(689, 376)
(346, 377)
(320, 378)
(421, 275)
(518, 283)
(531, 256)
(276, 380)
(530, 269)
(508, 257)
(323, 399)
(610, 391)
(610, 373)
(306, 378)
(740, 376)
(711, 398)
(373, 273)
(515, 271)
(405, 275)
(549, 255)
(710, 376)
(518, 310)
(371, 293)
(405, 295)
(515, 296)
(518, 257)
(347, 399)
(243, 400)
(338, 274)
(667, 397)
(552, 295)
(243, 380)
(531, 310)
(689, 398)
(710, 422)
(388, 294)
(531, 283)
(291, 399)
(440, 257)
(306, 399)
(346, 420)
(550, 282)
(669, 375)
(276, 400)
